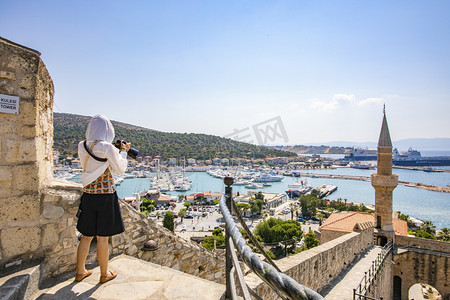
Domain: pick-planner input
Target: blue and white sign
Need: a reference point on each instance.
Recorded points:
(9, 104)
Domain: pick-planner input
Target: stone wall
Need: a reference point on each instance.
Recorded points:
(28, 223)
(422, 261)
(37, 212)
(419, 243)
(329, 235)
(173, 252)
(381, 286)
(317, 267)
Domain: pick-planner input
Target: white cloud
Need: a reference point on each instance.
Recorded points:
(336, 102)
(369, 101)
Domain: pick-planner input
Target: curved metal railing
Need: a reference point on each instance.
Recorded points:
(367, 282)
(282, 284)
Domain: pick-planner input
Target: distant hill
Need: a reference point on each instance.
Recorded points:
(69, 130)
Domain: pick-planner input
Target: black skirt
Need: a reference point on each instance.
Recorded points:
(100, 215)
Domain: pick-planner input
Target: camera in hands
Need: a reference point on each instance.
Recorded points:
(132, 153)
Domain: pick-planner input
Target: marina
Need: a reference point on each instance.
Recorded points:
(409, 200)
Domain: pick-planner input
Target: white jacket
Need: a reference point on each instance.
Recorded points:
(100, 129)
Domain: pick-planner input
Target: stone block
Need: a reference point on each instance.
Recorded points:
(27, 81)
(20, 240)
(6, 87)
(51, 198)
(49, 235)
(5, 188)
(27, 131)
(52, 211)
(28, 111)
(69, 197)
(20, 151)
(8, 75)
(7, 127)
(24, 208)
(26, 178)
(5, 173)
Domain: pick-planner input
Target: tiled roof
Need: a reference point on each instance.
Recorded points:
(346, 222)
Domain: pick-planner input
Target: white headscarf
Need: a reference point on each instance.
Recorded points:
(100, 128)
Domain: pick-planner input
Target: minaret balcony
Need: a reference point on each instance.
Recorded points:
(384, 180)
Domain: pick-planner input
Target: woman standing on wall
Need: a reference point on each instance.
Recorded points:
(99, 213)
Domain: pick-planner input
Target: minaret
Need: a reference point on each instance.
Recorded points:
(384, 182)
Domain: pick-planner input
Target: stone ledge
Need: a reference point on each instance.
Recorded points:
(20, 284)
(61, 184)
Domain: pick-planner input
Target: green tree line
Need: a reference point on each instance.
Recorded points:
(70, 129)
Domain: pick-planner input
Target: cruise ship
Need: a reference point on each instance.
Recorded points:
(361, 154)
(414, 158)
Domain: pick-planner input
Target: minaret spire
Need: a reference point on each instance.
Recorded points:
(384, 182)
(385, 137)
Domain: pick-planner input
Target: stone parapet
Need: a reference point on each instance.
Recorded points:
(419, 243)
(317, 267)
(174, 252)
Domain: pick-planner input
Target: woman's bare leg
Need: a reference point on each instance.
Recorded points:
(82, 253)
(103, 254)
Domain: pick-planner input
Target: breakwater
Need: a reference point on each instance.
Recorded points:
(428, 187)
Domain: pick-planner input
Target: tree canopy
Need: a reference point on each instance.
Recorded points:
(70, 129)
(276, 230)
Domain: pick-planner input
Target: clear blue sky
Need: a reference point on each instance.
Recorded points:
(324, 67)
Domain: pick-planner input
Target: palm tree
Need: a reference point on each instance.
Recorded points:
(182, 214)
(444, 234)
(429, 227)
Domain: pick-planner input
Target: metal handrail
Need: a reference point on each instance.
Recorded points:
(366, 282)
(279, 282)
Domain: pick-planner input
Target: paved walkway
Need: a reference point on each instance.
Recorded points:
(137, 279)
(348, 280)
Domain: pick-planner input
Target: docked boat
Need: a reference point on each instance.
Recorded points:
(361, 166)
(254, 186)
(414, 158)
(361, 154)
(267, 177)
(431, 170)
(297, 189)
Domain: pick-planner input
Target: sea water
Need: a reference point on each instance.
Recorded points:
(415, 202)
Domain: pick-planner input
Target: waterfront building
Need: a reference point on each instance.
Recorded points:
(339, 224)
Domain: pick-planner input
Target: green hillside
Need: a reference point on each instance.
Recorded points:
(69, 129)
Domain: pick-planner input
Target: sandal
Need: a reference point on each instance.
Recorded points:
(79, 277)
(105, 278)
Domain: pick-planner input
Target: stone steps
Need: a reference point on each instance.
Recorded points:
(137, 279)
(20, 284)
(342, 287)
